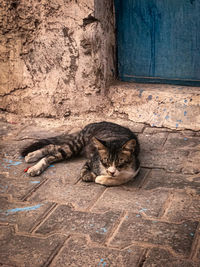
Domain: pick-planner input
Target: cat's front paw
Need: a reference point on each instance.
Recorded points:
(88, 177)
(33, 171)
(38, 168)
(101, 179)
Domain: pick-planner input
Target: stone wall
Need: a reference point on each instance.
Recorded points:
(57, 60)
(56, 56)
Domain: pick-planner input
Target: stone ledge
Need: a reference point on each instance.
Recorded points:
(160, 105)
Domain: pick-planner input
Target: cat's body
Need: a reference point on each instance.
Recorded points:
(111, 150)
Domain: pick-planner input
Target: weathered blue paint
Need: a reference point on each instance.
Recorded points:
(9, 162)
(158, 41)
(102, 230)
(167, 117)
(102, 263)
(143, 209)
(10, 211)
(141, 91)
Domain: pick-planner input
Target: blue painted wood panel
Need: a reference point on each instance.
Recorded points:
(158, 40)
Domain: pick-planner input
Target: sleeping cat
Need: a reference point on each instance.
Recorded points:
(111, 150)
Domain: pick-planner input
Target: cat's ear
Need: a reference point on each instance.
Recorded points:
(99, 144)
(129, 146)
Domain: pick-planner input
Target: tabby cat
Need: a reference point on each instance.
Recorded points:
(111, 150)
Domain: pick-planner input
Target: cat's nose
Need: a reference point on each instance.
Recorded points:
(111, 171)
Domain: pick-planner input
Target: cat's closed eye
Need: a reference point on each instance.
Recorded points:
(104, 161)
(122, 162)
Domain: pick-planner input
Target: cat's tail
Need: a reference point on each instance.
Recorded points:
(35, 146)
(75, 142)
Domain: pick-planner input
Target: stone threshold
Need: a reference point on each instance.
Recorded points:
(159, 105)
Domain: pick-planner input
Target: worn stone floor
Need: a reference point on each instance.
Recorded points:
(56, 220)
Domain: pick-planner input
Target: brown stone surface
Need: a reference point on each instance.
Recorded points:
(160, 178)
(181, 141)
(23, 215)
(171, 160)
(139, 202)
(21, 250)
(59, 190)
(56, 220)
(179, 237)
(19, 186)
(66, 220)
(152, 141)
(159, 257)
(77, 252)
(183, 207)
(137, 181)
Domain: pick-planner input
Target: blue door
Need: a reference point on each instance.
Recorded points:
(158, 41)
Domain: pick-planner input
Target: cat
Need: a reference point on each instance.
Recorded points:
(111, 150)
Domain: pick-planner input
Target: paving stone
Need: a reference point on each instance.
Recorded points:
(177, 140)
(140, 202)
(137, 181)
(12, 167)
(37, 132)
(6, 265)
(153, 130)
(198, 250)
(171, 160)
(13, 179)
(67, 220)
(183, 207)
(152, 141)
(137, 229)
(192, 164)
(22, 251)
(7, 129)
(58, 190)
(18, 187)
(77, 253)
(10, 150)
(159, 257)
(24, 215)
(133, 126)
(67, 170)
(160, 178)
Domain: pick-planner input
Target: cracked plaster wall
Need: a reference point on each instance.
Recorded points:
(56, 56)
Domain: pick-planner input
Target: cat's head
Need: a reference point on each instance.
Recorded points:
(115, 157)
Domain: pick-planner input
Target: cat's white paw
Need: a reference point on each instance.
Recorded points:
(33, 156)
(101, 179)
(34, 171)
(38, 168)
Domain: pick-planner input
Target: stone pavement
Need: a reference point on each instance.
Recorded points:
(57, 220)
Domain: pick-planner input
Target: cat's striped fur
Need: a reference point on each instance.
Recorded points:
(112, 153)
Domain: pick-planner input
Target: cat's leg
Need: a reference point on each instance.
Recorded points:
(112, 181)
(108, 180)
(34, 156)
(40, 153)
(44, 163)
(86, 174)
